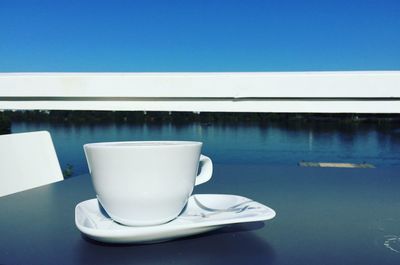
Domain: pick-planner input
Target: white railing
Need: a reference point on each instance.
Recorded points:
(313, 92)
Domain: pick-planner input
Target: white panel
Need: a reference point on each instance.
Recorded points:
(299, 106)
(356, 92)
(376, 84)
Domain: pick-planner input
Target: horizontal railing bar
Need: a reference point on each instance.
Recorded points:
(303, 92)
(277, 106)
(368, 84)
(196, 99)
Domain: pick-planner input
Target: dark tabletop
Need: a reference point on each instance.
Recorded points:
(324, 216)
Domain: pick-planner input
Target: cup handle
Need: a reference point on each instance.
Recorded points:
(206, 170)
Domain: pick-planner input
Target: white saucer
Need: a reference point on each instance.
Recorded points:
(204, 212)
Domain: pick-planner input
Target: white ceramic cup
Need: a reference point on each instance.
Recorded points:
(146, 183)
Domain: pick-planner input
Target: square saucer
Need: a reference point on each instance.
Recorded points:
(203, 213)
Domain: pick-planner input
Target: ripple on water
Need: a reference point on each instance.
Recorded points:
(392, 242)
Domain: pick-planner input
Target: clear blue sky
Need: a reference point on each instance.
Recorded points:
(194, 35)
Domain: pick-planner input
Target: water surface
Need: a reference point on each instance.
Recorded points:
(277, 143)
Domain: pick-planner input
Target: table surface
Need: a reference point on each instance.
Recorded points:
(324, 216)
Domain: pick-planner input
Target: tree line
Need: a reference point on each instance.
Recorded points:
(206, 118)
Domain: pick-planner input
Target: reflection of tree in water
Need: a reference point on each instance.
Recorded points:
(328, 128)
(5, 124)
(389, 137)
(337, 138)
(257, 138)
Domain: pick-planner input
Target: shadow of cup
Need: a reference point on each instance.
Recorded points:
(234, 244)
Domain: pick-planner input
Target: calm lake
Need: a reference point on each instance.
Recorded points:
(276, 143)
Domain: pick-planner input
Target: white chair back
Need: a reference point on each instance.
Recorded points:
(27, 160)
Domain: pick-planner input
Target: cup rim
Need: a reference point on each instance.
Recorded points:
(141, 144)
